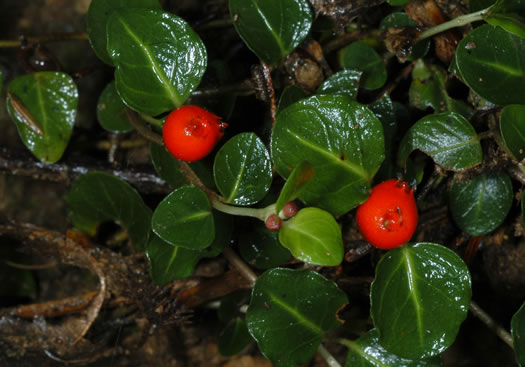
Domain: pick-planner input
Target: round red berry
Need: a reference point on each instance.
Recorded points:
(389, 217)
(273, 222)
(190, 132)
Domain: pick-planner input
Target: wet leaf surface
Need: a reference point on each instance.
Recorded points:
(512, 129)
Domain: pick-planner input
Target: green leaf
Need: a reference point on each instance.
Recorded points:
(367, 352)
(480, 205)
(361, 56)
(290, 95)
(168, 262)
(150, 50)
(512, 23)
(184, 219)
(517, 329)
(428, 89)
(398, 2)
(491, 62)
(342, 139)
(419, 298)
(296, 183)
(111, 112)
(385, 111)
(98, 197)
(397, 20)
(342, 82)
(243, 170)
(234, 338)
(231, 304)
(313, 236)
(289, 313)
(447, 137)
(49, 100)
(261, 248)
(512, 129)
(271, 28)
(97, 18)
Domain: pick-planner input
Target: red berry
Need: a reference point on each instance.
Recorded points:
(190, 132)
(273, 222)
(389, 217)
(289, 209)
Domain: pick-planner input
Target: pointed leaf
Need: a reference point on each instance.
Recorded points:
(159, 59)
(111, 112)
(367, 352)
(49, 100)
(98, 197)
(97, 18)
(271, 28)
(512, 129)
(419, 298)
(361, 56)
(296, 183)
(289, 313)
(341, 138)
(243, 170)
(447, 137)
(184, 219)
(480, 205)
(490, 62)
(313, 236)
(517, 329)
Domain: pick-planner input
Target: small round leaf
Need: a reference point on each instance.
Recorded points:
(313, 236)
(517, 328)
(243, 170)
(44, 107)
(419, 298)
(490, 61)
(234, 337)
(361, 56)
(111, 112)
(342, 139)
(342, 82)
(447, 137)
(289, 313)
(98, 197)
(184, 218)
(480, 205)
(271, 28)
(159, 59)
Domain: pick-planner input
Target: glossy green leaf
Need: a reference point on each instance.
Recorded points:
(290, 95)
(49, 100)
(512, 129)
(168, 262)
(313, 236)
(289, 313)
(234, 337)
(397, 20)
(341, 138)
(491, 62)
(97, 19)
(184, 218)
(98, 197)
(261, 248)
(111, 112)
(428, 89)
(342, 82)
(419, 298)
(517, 329)
(398, 2)
(361, 56)
(271, 28)
(480, 205)
(243, 170)
(296, 183)
(447, 137)
(231, 304)
(151, 52)
(512, 23)
(367, 352)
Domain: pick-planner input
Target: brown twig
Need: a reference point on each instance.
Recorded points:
(491, 324)
(270, 90)
(142, 129)
(240, 265)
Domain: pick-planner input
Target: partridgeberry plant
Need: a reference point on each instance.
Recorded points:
(389, 136)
